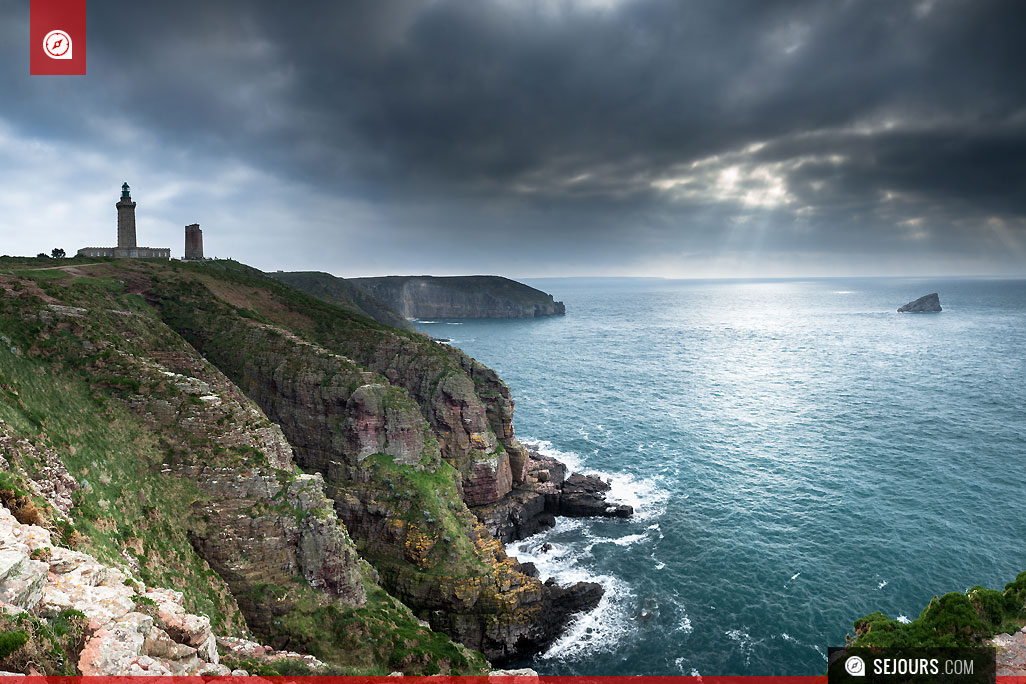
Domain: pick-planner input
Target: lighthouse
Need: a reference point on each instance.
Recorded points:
(126, 220)
(127, 247)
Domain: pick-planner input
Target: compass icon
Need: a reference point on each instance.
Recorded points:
(57, 44)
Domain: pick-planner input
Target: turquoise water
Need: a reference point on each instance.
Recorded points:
(799, 455)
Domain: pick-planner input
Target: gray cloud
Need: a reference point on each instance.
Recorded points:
(539, 137)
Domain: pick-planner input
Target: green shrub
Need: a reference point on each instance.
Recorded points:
(11, 642)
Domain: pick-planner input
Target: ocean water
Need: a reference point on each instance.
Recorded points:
(798, 453)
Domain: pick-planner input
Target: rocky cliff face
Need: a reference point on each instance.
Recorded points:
(213, 430)
(165, 466)
(383, 465)
(460, 297)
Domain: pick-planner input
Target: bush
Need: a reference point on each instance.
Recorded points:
(22, 507)
(11, 642)
(952, 620)
(51, 647)
(41, 554)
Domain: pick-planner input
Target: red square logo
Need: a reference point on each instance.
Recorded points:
(57, 38)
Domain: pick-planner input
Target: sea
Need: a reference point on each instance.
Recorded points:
(798, 455)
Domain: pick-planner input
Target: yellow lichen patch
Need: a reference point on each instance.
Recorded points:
(419, 543)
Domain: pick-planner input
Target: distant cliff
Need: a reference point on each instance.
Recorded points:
(460, 297)
(344, 293)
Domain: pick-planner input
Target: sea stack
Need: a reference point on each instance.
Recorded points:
(926, 304)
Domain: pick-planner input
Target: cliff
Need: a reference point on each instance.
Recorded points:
(303, 474)
(127, 445)
(459, 297)
(343, 293)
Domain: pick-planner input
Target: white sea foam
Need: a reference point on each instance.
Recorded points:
(644, 495)
(545, 448)
(627, 540)
(744, 642)
(903, 619)
(787, 637)
(647, 496)
(598, 630)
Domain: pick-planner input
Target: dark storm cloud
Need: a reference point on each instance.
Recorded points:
(625, 132)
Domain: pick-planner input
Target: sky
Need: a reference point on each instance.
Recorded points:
(670, 138)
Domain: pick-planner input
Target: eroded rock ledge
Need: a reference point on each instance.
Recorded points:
(128, 628)
(545, 492)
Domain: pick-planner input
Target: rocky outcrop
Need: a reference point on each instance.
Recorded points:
(460, 297)
(583, 496)
(122, 640)
(131, 629)
(1011, 653)
(926, 304)
(51, 480)
(546, 492)
(261, 521)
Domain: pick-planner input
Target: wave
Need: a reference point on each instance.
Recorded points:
(745, 643)
(679, 662)
(544, 447)
(684, 625)
(625, 541)
(601, 629)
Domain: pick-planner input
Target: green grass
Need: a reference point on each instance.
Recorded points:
(54, 274)
(124, 502)
(422, 498)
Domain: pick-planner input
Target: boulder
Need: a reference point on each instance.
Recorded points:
(584, 496)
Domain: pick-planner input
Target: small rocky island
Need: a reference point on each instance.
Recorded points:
(926, 304)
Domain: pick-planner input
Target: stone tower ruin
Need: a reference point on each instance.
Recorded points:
(126, 220)
(193, 242)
